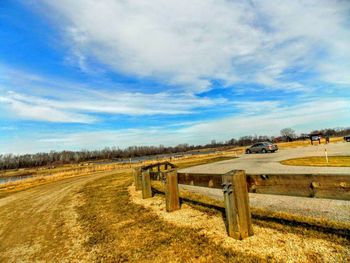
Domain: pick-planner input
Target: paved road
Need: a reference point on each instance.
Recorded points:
(333, 210)
(269, 163)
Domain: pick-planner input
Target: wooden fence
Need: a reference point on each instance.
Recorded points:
(236, 185)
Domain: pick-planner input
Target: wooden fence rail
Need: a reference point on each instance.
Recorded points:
(330, 186)
(236, 185)
(233, 184)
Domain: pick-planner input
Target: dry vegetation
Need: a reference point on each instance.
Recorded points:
(333, 161)
(120, 230)
(106, 220)
(121, 226)
(49, 174)
(283, 145)
(295, 219)
(272, 241)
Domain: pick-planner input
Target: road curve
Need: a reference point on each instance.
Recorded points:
(269, 163)
(34, 221)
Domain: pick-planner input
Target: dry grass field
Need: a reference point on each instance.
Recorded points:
(91, 213)
(333, 161)
(283, 145)
(272, 241)
(49, 174)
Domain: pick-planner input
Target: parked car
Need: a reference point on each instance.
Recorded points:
(262, 147)
(347, 138)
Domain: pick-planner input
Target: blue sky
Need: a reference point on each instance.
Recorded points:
(84, 74)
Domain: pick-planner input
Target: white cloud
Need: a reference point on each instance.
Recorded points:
(256, 107)
(192, 42)
(116, 103)
(303, 118)
(35, 97)
(27, 110)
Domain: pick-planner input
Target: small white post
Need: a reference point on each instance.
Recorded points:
(325, 152)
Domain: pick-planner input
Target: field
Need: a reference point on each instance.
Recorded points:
(92, 213)
(49, 174)
(320, 161)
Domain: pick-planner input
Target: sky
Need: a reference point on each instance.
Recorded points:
(88, 74)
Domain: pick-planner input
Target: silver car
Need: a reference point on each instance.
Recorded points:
(262, 147)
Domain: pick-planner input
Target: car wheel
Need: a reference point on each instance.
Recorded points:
(348, 140)
(263, 151)
(248, 151)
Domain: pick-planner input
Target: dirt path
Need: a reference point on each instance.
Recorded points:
(34, 221)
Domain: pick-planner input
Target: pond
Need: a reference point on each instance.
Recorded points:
(14, 178)
(154, 157)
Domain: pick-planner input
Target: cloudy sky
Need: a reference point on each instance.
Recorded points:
(88, 74)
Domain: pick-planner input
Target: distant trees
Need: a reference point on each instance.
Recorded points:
(10, 161)
(333, 132)
(288, 133)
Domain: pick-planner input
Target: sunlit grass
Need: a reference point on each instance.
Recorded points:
(283, 145)
(49, 174)
(321, 161)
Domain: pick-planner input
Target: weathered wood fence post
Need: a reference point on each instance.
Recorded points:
(236, 200)
(138, 178)
(146, 184)
(171, 191)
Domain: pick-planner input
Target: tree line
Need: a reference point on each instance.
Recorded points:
(11, 161)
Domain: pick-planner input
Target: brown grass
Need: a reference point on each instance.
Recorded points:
(120, 226)
(120, 230)
(45, 175)
(323, 224)
(272, 242)
(283, 145)
(320, 161)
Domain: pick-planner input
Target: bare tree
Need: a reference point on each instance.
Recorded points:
(11, 161)
(288, 133)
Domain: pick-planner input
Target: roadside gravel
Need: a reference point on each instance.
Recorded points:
(322, 209)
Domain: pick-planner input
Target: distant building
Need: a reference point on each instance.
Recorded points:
(315, 136)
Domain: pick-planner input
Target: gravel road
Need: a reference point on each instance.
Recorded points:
(315, 208)
(334, 210)
(35, 221)
(269, 163)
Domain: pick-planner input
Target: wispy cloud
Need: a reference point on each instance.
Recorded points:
(314, 114)
(27, 109)
(151, 72)
(191, 43)
(70, 102)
